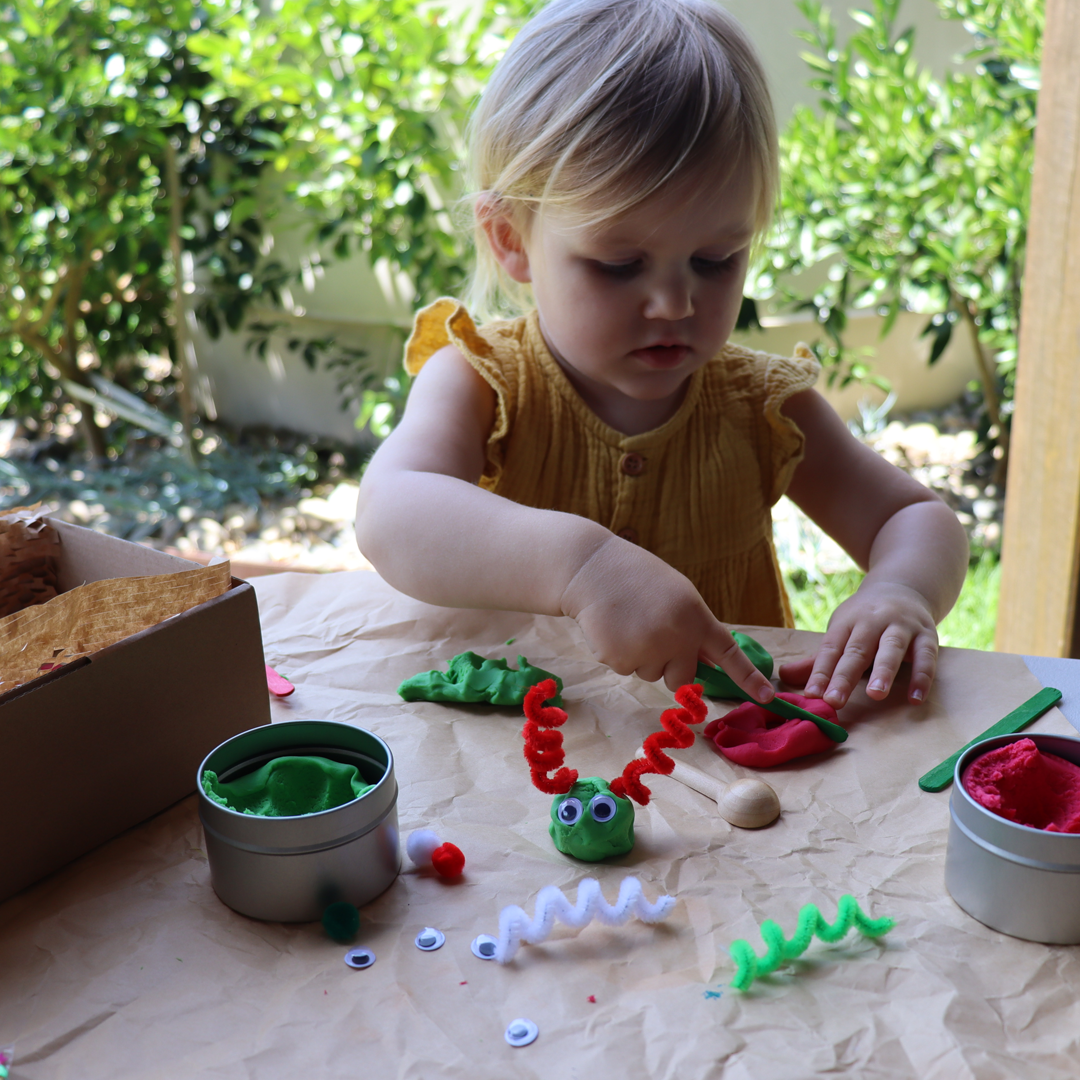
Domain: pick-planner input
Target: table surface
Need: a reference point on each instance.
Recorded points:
(125, 964)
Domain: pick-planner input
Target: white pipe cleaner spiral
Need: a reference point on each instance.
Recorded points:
(515, 927)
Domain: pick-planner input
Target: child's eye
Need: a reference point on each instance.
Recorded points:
(713, 267)
(618, 270)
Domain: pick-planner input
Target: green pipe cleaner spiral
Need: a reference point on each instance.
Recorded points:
(811, 922)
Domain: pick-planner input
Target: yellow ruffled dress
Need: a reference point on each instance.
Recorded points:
(695, 491)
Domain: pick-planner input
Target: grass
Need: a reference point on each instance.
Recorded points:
(970, 624)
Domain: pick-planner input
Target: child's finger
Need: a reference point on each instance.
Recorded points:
(722, 650)
(857, 655)
(924, 654)
(796, 672)
(651, 671)
(891, 650)
(825, 660)
(680, 672)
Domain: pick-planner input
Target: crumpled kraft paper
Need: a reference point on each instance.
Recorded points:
(126, 965)
(94, 616)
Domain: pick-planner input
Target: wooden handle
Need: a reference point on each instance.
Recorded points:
(699, 781)
(748, 803)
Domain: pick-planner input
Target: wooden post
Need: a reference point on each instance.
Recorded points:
(1040, 578)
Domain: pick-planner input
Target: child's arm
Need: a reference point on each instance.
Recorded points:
(433, 533)
(910, 543)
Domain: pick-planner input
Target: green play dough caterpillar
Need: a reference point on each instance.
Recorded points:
(472, 679)
(811, 922)
(288, 787)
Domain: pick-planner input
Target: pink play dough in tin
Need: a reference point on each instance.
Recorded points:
(1021, 783)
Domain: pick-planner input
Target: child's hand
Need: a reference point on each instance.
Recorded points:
(641, 616)
(882, 624)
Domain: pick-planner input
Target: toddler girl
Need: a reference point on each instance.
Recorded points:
(608, 455)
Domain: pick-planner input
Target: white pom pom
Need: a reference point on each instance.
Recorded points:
(420, 845)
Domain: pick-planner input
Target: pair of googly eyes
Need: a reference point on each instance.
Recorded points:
(602, 808)
(428, 940)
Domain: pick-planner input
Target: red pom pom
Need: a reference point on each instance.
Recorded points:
(448, 860)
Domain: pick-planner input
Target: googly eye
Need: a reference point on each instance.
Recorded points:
(359, 958)
(483, 946)
(429, 939)
(602, 808)
(569, 812)
(521, 1032)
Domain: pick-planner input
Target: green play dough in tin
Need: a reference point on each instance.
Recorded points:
(288, 787)
(472, 679)
(590, 823)
(716, 683)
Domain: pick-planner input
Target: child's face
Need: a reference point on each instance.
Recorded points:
(630, 309)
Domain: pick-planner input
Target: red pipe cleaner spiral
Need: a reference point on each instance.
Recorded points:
(677, 735)
(544, 749)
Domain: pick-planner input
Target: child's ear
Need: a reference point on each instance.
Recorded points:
(503, 237)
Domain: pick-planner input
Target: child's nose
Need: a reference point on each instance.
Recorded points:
(670, 299)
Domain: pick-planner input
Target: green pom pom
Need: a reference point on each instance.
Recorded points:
(341, 920)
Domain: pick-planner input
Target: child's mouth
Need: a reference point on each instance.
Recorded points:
(663, 356)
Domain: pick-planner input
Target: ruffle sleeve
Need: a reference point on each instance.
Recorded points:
(446, 322)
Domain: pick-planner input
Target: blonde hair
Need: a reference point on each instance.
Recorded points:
(598, 104)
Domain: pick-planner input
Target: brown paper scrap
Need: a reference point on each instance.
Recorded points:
(29, 559)
(94, 616)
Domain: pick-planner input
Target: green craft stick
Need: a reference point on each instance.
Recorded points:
(941, 776)
(717, 683)
(790, 711)
(779, 707)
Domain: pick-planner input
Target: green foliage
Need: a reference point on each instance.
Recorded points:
(370, 97)
(93, 100)
(912, 192)
(82, 263)
(973, 621)
(814, 600)
(151, 486)
(970, 624)
(344, 116)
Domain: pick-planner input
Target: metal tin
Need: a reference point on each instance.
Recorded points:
(288, 869)
(1024, 882)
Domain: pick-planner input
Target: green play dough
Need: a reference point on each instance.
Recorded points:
(589, 838)
(716, 683)
(288, 787)
(473, 679)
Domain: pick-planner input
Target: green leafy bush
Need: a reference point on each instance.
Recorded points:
(145, 151)
(902, 191)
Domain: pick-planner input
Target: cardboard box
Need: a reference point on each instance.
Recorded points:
(111, 739)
